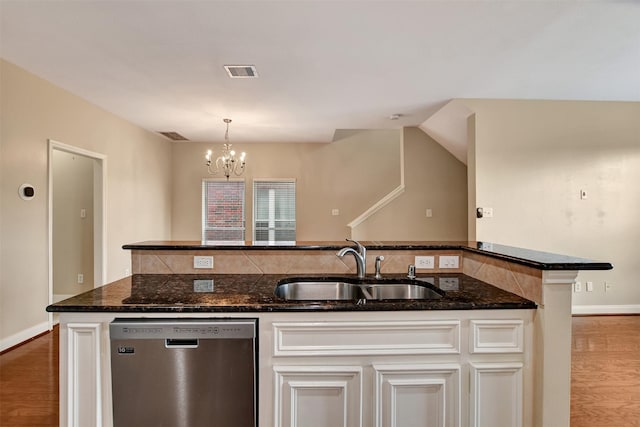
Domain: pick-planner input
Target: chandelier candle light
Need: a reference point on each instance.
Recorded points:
(227, 163)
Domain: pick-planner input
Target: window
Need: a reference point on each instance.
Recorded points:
(222, 210)
(274, 210)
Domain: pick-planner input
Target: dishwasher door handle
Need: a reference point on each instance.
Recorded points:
(181, 343)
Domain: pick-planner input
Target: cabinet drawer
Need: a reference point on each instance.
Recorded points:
(370, 338)
(497, 336)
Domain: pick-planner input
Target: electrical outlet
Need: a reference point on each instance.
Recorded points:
(424, 262)
(449, 261)
(488, 212)
(449, 283)
(202, 262)
(80, 278)
(577, 287)
(429, 213)
(589, 286)
(203, 285)
(486, 246)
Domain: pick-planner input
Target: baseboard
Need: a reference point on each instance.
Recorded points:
(606, 309)
(22, 336)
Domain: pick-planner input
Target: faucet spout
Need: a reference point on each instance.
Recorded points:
(360, 254)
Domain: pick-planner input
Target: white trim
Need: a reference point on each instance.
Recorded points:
(377, 206)
(386, 199)
(559, 277)
(24, 335)
(83, 375)
(606, 309)
(100, 238)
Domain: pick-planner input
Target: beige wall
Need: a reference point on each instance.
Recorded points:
(434, 179)
(138, 189)
(72, 234)
(532, 158)
(349, 174)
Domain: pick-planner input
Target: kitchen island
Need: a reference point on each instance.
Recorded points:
(493, 349)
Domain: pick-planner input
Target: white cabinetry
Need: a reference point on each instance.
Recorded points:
(355, 369)
(417, 395)
(318, 396)
(399, 370)
(496, 394)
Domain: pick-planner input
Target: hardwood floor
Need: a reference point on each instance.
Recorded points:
(605, 371)
(605, 377)
(29, 383)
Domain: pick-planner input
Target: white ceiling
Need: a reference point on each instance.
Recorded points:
(323, 65)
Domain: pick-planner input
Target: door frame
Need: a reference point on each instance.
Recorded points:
(100, 217)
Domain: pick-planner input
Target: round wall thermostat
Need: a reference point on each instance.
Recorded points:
(27, 192)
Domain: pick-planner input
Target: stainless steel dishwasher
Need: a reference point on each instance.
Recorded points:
(184, 372)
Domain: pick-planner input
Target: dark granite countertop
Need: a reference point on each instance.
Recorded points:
(255, 293)
(530, 258)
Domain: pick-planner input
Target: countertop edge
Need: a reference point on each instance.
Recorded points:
(526, 257)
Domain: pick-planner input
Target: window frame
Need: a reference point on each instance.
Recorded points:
(203, 223)
(255, 208)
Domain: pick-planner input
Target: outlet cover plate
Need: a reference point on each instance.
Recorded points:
(202, 262)
(424, 262)
(449, 261)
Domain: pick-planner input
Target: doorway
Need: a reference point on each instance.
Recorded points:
(76, 221)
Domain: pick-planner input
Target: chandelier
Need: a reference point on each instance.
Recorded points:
(227, 163)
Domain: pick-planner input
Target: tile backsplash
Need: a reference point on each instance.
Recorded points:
(278, 261)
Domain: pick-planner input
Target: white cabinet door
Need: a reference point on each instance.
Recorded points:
(318, 396)
(424, 395)
(496, 394)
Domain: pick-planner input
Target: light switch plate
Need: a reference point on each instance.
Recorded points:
(449, 261)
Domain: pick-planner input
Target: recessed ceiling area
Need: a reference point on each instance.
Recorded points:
(322, 65)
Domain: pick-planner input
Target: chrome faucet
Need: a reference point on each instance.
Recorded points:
(360, 255)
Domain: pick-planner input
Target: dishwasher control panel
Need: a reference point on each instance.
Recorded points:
(182, 329)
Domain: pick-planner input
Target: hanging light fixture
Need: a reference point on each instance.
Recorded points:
(227, 163)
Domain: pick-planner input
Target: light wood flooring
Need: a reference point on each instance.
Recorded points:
(29, 383)
(605, 378)
(605, 371)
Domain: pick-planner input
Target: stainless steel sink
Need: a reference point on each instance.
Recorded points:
(336, 290)
(314, 291)
(399, 291)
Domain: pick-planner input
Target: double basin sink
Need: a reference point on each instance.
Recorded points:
(344, 289)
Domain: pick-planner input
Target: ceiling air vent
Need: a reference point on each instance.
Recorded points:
(175, 136)
(241, 71)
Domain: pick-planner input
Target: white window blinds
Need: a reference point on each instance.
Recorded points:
(223, 210)
(274, 210)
